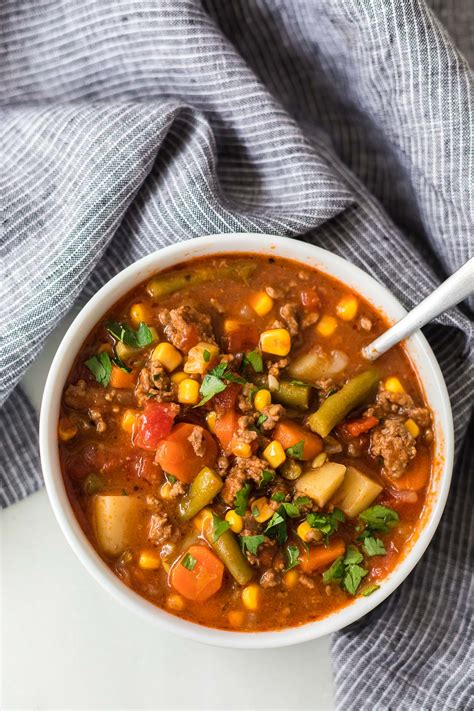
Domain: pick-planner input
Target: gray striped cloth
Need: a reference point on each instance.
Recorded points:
(126, 125)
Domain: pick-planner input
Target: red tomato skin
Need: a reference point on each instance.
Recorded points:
(153, 424)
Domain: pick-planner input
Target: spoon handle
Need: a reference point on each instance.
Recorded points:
(451, 292)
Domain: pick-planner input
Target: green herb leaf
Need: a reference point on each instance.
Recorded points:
(241, 500)
(101, 367)
(252, 543)
(326, 523)
(172, 479)
(189, 562)
(303, 501)
(261, 420)
(292, 557)
(353, 577)
(335, 572)
(218, 527)
(373, 546)
(353, 555)
(369, 590)
(278, 496)
(254, 358)
(255, 511)
(210, 386)
(206, 355)
(291, 510)
(379, 518)
(297, 450)
(136, 339)
(276, 528)
(267, 477)
(143, 336)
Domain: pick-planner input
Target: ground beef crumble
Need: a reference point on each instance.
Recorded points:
(273, 413)
(153, 382)
(184, 327)
(197, 441)
(160, 529)
(242, 470)
(394, 443)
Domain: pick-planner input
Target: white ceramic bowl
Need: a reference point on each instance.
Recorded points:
(379, 296)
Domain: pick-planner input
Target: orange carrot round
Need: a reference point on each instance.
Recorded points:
(289, 433)
(197, 574)
(226, 427)
(120, 379)
(321, 556)
(176, 455)
(416, 476)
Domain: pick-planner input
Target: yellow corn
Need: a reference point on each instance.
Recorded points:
(326, 326)
(274, 454)
(412, 427)
(251, 597)
(319, 460)
(347, 307)
(105, 348)
(201, 357)
(176, 603)
(276, 341)
(201, 519)
(262, 399)
(303, 530)
(167, 355)
(178, 377)
(261, 303)
(139, 313)
(165, 491)
(242, 449)
(149, 560)
(128, 420)
(265, 512)
(236, 521)
(393, 385)
(290, 579)
(188, 392)
(231, 324)
(66, 430)
(236, 618)
(211, 418)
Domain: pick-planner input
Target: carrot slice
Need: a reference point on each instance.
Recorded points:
(321, 556)
(226, 426)
(289, 433)
(416, 476)
(176, 455)
(357, 427)
(197, 574)
(120, 379)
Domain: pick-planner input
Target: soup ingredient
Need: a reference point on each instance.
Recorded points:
(346, 570)
(355, 428)
(297, 441)
(197, 574)
(228, 550)
(320, 556)
(356, 492)
(101, 367)
(115, 520)
(293, 394)
(316, 364)
(321, 483)
(174, 281)
(155, 423)
(337, 406)
(201, 357)
(276, 341)
(202, 491)
(167, 355)
(185, 451)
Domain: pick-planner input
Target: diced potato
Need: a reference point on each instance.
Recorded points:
(317, 363)
(357, 492)
(321, 483)
(201, 357)
(115, 521)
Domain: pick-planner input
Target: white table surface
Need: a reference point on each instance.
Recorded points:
(67, 645)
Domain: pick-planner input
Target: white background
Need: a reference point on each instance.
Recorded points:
(67, 645)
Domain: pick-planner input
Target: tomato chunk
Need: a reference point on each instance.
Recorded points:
(197, 574)
(153, 424)
(177, 456)
(227, 399)
(354, 428)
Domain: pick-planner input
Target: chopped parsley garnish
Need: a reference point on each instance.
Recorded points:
(206, 355)
(278, 496)
(255, 511)
(326, 523)
(303, 501)
(372, 546)
(213, 382)
(369, 590)
(291, 510)
(252, 543)
(346, 570)
(335, 572)
(353, 577)
(254, 358)
(241, 500)
(267, 477)
(218, 527)
(292, 557)
(297, 450)
(101, 367)
(136, 339)
(189, 562)
(261, 420)
(276, 528)
(379, 518)
(171, 478)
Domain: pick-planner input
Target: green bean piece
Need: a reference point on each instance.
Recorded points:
(228, 550)
(293, 395)
(174, 281)
(93, 483)
(204, 488)
(337, 406)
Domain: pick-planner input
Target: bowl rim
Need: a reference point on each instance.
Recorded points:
(377, 294)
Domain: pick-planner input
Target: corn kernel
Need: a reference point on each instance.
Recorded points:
(290, 579)
(265, 512)
(139, 313)
(326, 326)
(251, 597)
(236, 618)
(178, 377)
(176, 602)
(276, 341)
(393, 385)
(236, 521)
(106, 348)
(274, 454)
(242, 449)
(128, 420)
(66, 430)
(303, 530)
(188, 392)
(149, 560)
(347, 307)
(412, 427)
(202, 519)
(167, 355)
(200, 358)
(231, 324)
(165, 491)
(262, 399)
(261, 303)
(211, 419)
(319, 460)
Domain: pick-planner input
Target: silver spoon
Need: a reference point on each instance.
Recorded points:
(451, 292)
